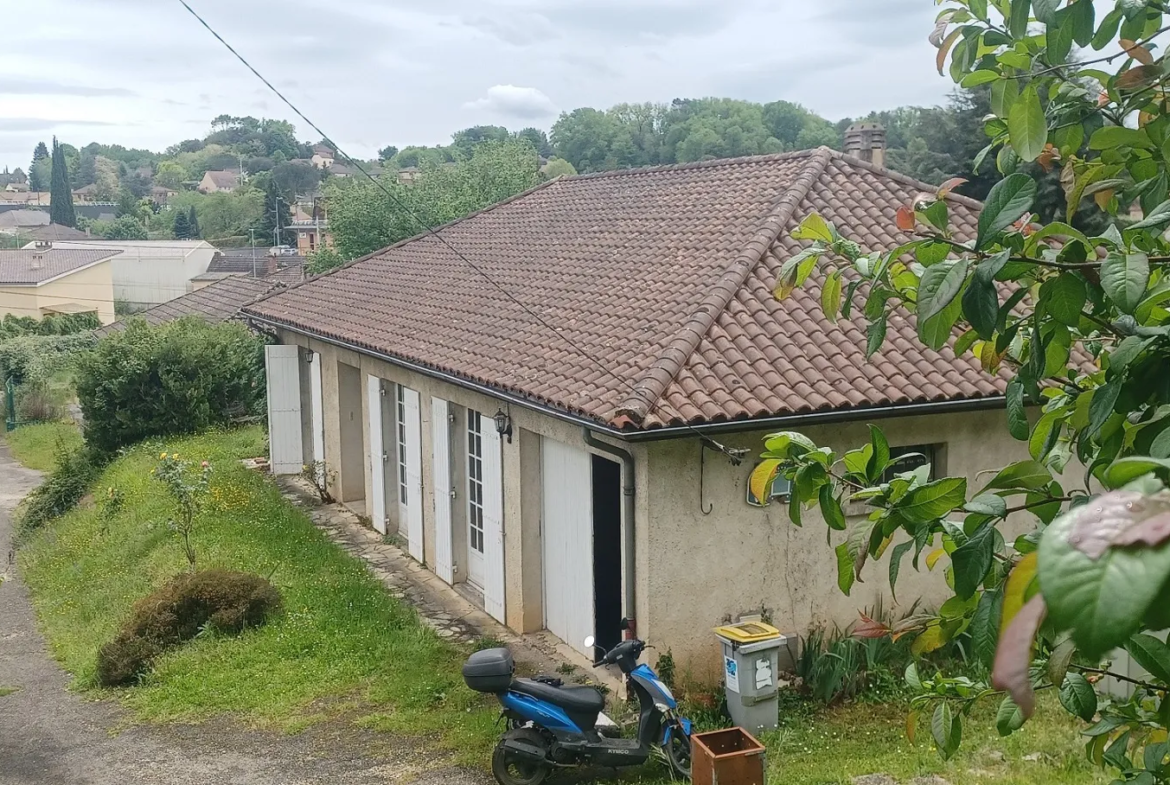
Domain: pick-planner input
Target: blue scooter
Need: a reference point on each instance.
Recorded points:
(553, 726)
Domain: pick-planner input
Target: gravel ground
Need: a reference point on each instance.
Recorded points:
(50, 736)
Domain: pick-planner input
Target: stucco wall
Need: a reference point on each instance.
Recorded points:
(91, 287)
(741, 559)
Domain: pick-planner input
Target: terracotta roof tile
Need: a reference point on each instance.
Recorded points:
(663, 275)
(216, 302)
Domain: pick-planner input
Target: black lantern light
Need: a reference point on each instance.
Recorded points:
(504, 424)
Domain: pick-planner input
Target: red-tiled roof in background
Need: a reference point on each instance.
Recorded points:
(662, 274)
(214, 303)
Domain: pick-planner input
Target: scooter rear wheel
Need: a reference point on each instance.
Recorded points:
(512, 769)
(678, 753)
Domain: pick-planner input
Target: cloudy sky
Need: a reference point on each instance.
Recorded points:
(143, 73)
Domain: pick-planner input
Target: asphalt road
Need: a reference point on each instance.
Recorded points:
(51, 736)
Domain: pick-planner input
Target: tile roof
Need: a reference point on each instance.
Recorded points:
(239, 260)
(23, 268)
(216, 302)
(224, 179)
(664, 275)
(55, 233)
(24, 218)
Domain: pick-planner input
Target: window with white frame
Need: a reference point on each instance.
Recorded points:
(475, 481)
(400, 417)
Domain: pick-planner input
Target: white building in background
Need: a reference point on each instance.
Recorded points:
(151, 272)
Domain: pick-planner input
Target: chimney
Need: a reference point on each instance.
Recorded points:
(867, 141)
(272, 265)
(38, 254)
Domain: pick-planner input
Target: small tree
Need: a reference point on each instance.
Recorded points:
(1080, 325)
(193, 232)
(188, 488)
(182, 228)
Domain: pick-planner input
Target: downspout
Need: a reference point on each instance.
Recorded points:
(628, 546)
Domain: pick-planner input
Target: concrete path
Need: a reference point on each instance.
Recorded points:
(50, 736)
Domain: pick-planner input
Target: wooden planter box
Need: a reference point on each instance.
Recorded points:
(727, 757)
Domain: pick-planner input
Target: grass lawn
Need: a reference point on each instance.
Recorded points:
(343, 645)
(35, 446)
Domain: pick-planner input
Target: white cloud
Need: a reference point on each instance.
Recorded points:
(526, 103)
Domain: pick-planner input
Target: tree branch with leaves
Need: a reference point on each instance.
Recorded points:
(1078, 329)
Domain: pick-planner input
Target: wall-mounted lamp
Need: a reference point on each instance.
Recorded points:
(504, 424)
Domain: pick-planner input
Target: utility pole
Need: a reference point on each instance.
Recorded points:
(253, 231)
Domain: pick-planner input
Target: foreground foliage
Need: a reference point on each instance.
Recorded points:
(342, 646)
(1080, 326)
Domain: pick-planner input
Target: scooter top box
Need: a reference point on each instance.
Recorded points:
(489, 670)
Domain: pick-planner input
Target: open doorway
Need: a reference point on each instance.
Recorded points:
(607, 551)
(353, 442)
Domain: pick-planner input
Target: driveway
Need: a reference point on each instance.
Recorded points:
(50, 736)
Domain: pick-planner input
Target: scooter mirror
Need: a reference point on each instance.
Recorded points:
(589, 641)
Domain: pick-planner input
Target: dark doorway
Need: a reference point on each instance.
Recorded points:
(607, 552)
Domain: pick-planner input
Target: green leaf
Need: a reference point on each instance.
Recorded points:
(1125, 470)
(1027, 125)
(1044, 436)
(931, 502)
(1078, 697)
(1016, 414)
(1101, 598)
(1081, 18)
(1125, 277)
(1102, 405)
(814, 227)
(977, 78)
(912, 678)
(831, 296)
(972, 560)
(1004, 95)
(1060, 659)
(1009, 718)
(1027, 475)
(1152, 654)
(985, 626)
(845, 573)
(831, 508)
(981, 306)
(1108, 30)
(1018, 20)
(782, 442)
(1059, 38)
(1064, 297)
(1009, 199)
(940, 284)
(965, 342)
(1045, 10)
(875, 336)
(1118, 136)
(937, 330)
(880, 455)
(987, 504)
(1127, 351)
(1158, 218)
(896, 557)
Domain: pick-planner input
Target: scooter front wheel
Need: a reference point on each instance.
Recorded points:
(677, 748)
(511, 768)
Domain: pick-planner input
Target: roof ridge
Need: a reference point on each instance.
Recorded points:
(712, 163)
(904, 179)
(652, 384)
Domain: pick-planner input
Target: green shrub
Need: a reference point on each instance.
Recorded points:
(53, 324)
(39, 356)
(177, 378)
(62, 489)
(224, 601)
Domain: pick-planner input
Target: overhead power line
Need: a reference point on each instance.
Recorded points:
(426, 227)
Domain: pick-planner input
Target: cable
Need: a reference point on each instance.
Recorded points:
(427, 228)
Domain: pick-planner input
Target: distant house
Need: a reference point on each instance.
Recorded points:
(45, 280)
(54, 233)
(341, 170)
(151, 272)
(323, 156)
(257, 264)
(160, 195)
(219, 182)
(311, 223)
(408, 175)
(21, 221)
(219, 301)
(86, 194)
(16, 177)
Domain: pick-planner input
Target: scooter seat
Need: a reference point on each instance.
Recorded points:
(584, 700)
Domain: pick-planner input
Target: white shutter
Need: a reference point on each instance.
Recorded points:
(493, 522)
(440, 428)
(317, 402)
(377, 463)
(567, 541)
(284, 408)
(414, 516)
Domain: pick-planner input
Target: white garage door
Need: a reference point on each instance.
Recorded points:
(567, 541)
